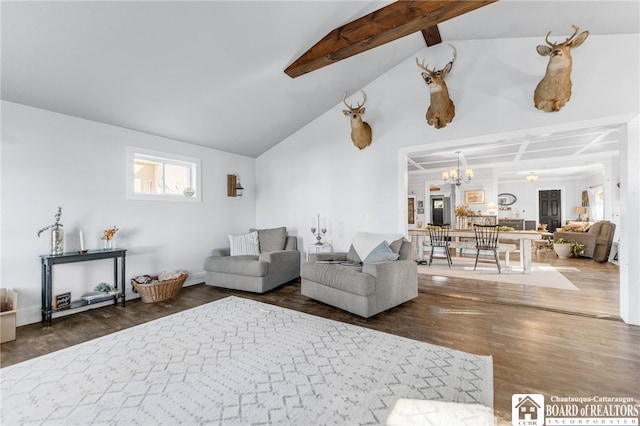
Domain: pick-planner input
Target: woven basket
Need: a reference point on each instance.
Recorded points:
(155, 292)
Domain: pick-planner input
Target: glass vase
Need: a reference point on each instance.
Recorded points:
(461, 222)
(108, 243)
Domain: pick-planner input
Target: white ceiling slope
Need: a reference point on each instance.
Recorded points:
(211, 72)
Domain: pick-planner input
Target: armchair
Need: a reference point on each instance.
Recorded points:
(276, 261)
(361, 287)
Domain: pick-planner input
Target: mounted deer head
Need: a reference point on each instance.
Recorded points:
(554, 90)
(360, 130)
(441, 110)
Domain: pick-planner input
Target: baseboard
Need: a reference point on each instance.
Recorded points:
(28, 315)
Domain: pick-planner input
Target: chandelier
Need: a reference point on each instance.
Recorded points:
(454, 176)
(531, 177)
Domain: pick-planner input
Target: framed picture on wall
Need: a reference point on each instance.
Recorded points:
(474, 197)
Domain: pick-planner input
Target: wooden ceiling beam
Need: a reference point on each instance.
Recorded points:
(432, 36)
(389, 23)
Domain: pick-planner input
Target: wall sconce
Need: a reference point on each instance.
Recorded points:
(234, 187)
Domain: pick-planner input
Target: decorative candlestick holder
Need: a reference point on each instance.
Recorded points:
(318, 228)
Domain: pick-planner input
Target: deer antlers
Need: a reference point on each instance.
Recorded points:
(344, 100)
(434, 71)
(546, 39)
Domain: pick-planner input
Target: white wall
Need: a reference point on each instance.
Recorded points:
(491, 84)
(51, 160)
(527, 197)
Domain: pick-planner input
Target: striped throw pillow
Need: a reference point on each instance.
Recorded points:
(246, 244)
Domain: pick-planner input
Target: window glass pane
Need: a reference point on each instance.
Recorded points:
(176, 179)
(148, 177)
(156, 175)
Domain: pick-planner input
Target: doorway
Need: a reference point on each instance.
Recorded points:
(550, 208)
(440, 209)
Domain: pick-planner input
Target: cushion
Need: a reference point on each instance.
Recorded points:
(245, 244)
(396, 245)
(381, 253)
(573, 226)
(346, 278)
(273, 239)
(249, 266)
(352, 255)
(364, 242)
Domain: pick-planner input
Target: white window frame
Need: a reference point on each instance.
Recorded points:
(133, 153)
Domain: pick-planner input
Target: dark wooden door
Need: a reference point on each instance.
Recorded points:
(550, 208)
(437, 211)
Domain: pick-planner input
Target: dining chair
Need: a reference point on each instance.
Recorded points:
(487, 240)
(439, 239)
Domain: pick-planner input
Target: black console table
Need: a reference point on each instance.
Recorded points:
(49, 260)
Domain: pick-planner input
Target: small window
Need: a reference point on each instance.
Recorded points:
(153, 175)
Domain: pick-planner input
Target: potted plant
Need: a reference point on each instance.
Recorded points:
(462, 213)
(563, 248)
(577, 248)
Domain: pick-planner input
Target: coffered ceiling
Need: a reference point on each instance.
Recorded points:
(554, 156)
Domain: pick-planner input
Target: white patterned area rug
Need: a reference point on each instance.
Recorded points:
(542, 274)
(238, 362)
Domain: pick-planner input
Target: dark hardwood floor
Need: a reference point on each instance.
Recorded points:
(553, 342)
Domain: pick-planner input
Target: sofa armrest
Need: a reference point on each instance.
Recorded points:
(396, 281)
(313, 257)
(221, 252)
(392, 271)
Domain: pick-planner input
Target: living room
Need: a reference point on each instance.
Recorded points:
(315, 170)
(53, 158)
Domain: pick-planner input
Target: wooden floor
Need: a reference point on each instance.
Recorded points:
(541, 340)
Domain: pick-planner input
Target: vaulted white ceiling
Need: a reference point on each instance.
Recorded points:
(211, 72)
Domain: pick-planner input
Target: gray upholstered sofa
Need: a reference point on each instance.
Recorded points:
(360, 287)
(597, 239)
(276, 262)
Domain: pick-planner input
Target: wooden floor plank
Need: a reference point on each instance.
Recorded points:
(554, 342)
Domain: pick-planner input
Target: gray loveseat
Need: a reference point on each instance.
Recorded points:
(277, 262)
(362, 289)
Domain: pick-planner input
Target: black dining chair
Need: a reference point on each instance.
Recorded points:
(439, 239)
(487, 240)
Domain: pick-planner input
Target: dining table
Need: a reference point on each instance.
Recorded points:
(524, 238)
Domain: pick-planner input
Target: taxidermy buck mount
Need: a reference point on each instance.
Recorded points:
(554, 90)
(441, 110)
(360, 130)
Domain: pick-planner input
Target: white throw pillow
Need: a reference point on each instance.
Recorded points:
(365, 242)
(245, 244)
